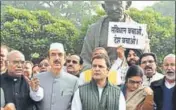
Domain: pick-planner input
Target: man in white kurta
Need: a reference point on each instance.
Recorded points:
(59, 86)
(99, 94)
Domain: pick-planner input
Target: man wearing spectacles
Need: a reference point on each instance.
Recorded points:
(148, 62)
(16, 88)
(74, 65)
(44, 65)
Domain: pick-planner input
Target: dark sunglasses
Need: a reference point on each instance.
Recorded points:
(73, 61)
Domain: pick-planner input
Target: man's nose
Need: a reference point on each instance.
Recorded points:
(57, 57)
(169, 67)
(147, 63)
(97, 68)
(132, 57)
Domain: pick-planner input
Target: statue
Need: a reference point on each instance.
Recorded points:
(97, 33)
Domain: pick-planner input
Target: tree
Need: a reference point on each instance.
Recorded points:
(166, 8)
(33, 31)
(75, 11)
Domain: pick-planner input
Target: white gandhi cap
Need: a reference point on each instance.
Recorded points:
(57, 46)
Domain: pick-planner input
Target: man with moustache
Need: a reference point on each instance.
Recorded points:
(16, 89)
(165, 88)
(148, 62)
(44, 65)
(59, 86)
(74, 64)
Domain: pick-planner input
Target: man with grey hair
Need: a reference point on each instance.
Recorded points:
(16, 89)
(97, 33)
(165, 89)
(59, 86)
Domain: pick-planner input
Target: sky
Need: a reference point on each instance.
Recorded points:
(141, 4)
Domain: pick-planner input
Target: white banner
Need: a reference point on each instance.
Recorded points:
(129, 35)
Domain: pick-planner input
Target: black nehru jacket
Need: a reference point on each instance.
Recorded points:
(16, 90)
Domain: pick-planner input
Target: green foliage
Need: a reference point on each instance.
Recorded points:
(33, 31)
(72, 10)
(166, 8)
(160, 30)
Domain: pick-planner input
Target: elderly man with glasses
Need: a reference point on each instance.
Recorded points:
(18, 89)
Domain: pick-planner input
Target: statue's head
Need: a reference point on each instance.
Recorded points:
(115, 9)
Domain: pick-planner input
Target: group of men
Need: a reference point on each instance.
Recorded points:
(57, 88)
(87, 82)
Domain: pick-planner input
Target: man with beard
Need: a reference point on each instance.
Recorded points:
(129, 56)
(74, 64)
(59, 86)
(148, 63)
(165, 89)
(97, 33)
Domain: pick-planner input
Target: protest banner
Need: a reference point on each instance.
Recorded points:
(129, 35)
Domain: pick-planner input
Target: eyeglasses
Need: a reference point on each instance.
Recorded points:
(149, 61)
(15, 62)
(73, 61)
(134, 82)
(43, 64)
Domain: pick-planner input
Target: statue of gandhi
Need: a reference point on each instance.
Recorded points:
(97, 33)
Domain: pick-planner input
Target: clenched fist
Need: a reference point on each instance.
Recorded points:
(121, 52)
